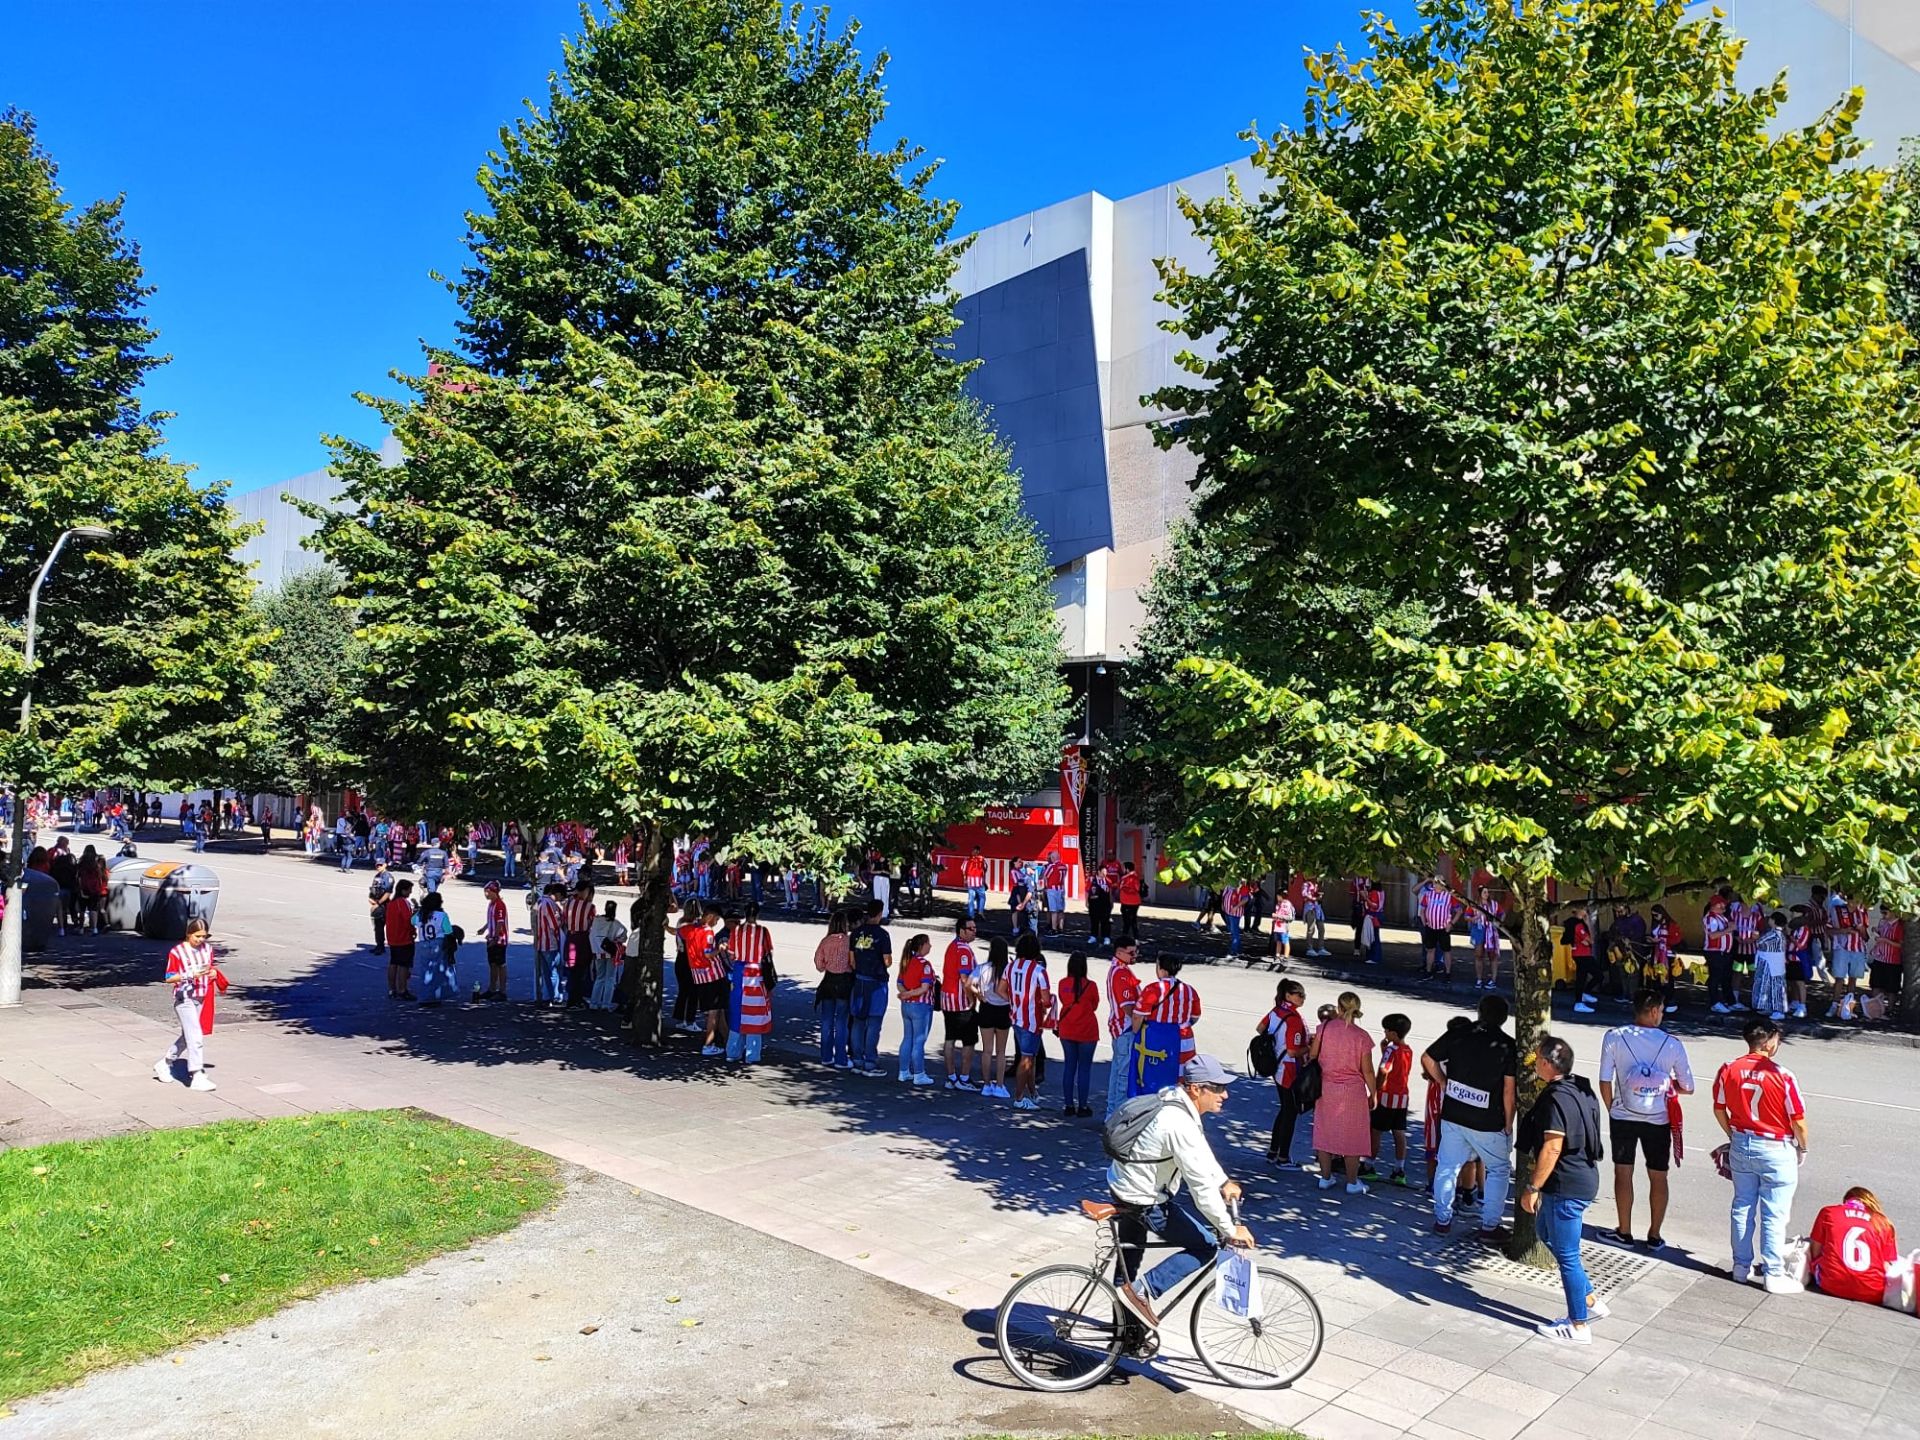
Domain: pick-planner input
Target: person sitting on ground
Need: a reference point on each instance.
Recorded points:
(1852, 1245)
(1175, 1152)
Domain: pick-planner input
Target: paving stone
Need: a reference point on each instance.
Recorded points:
(1514, 1396)
(1485, 1422)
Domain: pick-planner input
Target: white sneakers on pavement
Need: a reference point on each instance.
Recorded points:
(163, 1070)
(1783, 1285)
(1327, 1182)
(1026, 1103)
(711, 1050)
(1565, 1332)
(922, 1081)
(202, 1081)
(1358, 1187)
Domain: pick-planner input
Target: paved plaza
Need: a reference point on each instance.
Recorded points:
(951, 1196)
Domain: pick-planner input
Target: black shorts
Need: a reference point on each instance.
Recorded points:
(1441, 940)
(1884, 975)
(962, 1026)
(1796, 973)
(710, 995)
(996, 1017)
(496, 954)
(1389, 1117)
(401, 955)
(1653, 1138)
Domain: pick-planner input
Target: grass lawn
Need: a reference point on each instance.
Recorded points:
(115, 1249)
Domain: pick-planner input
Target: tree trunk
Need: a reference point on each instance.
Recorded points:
(1532, 1012)
(645, 979)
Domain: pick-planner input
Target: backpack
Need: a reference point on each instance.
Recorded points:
(1263, 1055)
(1643, 1085)
(1308, 1084)
(1127, 1124)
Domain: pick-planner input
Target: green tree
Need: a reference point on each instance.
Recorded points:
(147, 649)
(1537, 326)
(314, 659)
(701, 532)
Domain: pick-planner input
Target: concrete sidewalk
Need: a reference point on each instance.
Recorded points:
(953, 1198)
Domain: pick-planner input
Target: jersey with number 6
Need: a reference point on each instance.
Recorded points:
(1855, 1247)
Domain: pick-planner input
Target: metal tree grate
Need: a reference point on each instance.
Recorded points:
(1608, 1267)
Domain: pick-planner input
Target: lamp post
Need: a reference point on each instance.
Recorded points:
(16, 893)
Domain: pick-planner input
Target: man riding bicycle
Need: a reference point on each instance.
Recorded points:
(1172, 1151)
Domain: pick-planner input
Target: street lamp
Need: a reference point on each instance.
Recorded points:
(16, 893)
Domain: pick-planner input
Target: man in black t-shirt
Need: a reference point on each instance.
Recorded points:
(1475, 1069)
(1562, 1133)
(872, 950)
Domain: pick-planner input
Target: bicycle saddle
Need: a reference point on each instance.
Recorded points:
(1098, 1209)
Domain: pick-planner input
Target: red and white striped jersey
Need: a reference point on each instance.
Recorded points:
(1123, 996)
(1173, 1002)
(1437, 907)
(955, 972)
(1289, 1033)
(187, 967)
(577, 913)
(1030, 993)
(1396, 1074)
(916, 973)
(974, 873)
(1309, 892)
(1666, 940)
(1746, 924)
(493, 929)
(1053, 877)
(548, 924)
(750, 942)
(1716, 932)
(698, 940)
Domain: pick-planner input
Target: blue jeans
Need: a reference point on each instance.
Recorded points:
(756, 884)
(1233, 934)
(543, 974)
(1176, 1225)
(1558, 1224)
(743, 1047)
(1765, 1173)
(976, 900)
(835, 1029)
(558, 985)
(1117, 1074)
(864, 1013)
(1078, 1078)
(918, 1016)
(509, 863)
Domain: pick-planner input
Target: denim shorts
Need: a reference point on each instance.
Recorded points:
(1025, 1042)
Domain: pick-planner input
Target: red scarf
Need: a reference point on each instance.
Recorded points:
(1434, 1094)
(216, 982)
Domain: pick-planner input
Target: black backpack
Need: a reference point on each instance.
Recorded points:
(1127, 1124)
(1263, 1055)
(1308, 1084)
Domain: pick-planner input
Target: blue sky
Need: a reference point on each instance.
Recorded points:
(294, 173)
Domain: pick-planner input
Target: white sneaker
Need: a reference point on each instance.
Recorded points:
(922, 1081)
(1358, 1187)
(1778, 1015)
(1720, 1008)
(1583, 1009)
(1798, 1012)
(1565, 1332)
(1327, 1182)
(1597, 1309)
(963, 1083)
(163, 1070)
(906, 1077)
(1589, 999)
(711, 1050)
(1673, 1009)
(1027, 1103)
(201, 1081)
(1783, 1285)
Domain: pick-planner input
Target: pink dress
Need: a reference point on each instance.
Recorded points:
(1342, 1121)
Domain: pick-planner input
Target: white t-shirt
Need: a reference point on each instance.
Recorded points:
(1649, 1063)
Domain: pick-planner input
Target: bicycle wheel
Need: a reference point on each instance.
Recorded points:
(1267, 1353)
(1059, 1328)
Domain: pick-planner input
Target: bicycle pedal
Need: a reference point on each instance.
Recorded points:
(1143, 1348)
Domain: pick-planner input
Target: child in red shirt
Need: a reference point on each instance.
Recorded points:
(1396, 1082)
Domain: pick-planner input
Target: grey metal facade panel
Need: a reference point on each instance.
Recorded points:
(1039, 378)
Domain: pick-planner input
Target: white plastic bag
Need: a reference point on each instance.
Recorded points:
(1794, 1256)
(1898, 1293)
(1238, 1290)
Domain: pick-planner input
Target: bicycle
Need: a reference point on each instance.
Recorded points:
(1062, 1328)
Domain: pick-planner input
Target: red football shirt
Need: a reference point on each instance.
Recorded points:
(1855, 1247)
(1760, 1097)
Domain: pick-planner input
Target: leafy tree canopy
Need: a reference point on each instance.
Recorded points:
(1538, 326)
(146, 649)
(699, 530)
